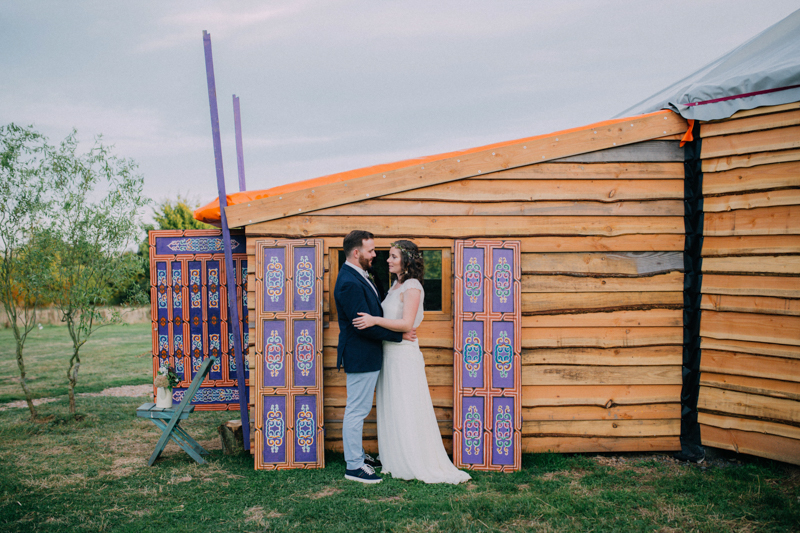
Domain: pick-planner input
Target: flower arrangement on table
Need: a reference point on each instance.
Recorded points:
(165, 380)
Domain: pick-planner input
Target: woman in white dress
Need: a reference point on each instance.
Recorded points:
(408, 434)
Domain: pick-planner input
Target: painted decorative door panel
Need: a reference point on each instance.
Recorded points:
(189, 309)
(288, 374)
(487, 418)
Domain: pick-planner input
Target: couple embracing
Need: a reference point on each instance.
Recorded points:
(378, 347)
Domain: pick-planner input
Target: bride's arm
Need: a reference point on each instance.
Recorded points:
(411, 302)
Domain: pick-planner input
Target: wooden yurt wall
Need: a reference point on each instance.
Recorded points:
(750, 366)
(602, 244)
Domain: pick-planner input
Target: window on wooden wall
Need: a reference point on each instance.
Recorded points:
(437, 283)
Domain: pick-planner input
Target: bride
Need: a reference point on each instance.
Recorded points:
(408, 435)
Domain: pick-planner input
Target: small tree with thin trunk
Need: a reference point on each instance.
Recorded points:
(25, 207)
(97, 222)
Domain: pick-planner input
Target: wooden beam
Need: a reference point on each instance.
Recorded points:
(463, 165)
(626, 263)
(602, 428)
(623, 243)
(758, 366)
(649, 151)
(769, 446)
(778, 286)
(627, 319)
(749, 143)
(618, 412)
(369, 208)
(751, 244)
(577, 444)
(600, 375)
(609, 337)
(747, 424)
(636, 356)
(775, 176)
(751, 200)
(763, 348)
(597, 171)
(469, 227)
(757, 264)
(500, 190)
(718, 164)
(756, 123)
(762, 111)
(560, 303)
(751, 327)
(783, 220)
(761, 386)
(751, 304)
(672, 281)
(605, 396)
(748, 405)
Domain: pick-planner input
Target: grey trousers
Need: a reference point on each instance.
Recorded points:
(360, 392)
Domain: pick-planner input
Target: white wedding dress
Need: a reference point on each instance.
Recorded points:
(408, 435)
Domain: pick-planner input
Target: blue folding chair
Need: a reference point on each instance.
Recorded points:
(168, 419)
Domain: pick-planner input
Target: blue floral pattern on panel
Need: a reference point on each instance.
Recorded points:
(305, 428)
(304, 352)
(502, 280)
(195, 298)
(473, 431)
(275, 428)
(503, 429)
(213, 287)
(275, 351)
(473, 280)
(177, 300)
(200, 245)
(473, 353)
(503, 354)
(161, 283)
(304, 278)
(274, 279)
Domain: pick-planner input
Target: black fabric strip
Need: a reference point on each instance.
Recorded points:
(693, 279)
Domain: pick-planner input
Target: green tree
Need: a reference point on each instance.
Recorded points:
(25, 205)
(97, 221)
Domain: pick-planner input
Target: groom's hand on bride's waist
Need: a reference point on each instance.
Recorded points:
(410, 335)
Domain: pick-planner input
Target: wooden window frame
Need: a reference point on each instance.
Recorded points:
(447, 281)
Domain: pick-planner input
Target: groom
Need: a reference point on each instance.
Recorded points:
(360, 350)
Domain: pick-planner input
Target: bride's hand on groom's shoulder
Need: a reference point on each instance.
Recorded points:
(364, 321)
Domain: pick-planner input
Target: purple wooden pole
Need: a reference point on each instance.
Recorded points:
(233, 304)
(237, 120)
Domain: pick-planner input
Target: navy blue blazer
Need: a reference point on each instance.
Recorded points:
(360, 350)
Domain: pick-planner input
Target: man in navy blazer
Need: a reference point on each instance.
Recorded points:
(359, 350)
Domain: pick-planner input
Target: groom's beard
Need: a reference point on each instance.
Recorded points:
(364, 262)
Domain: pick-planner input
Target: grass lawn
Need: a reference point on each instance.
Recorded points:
(113, 356)
(92, 475)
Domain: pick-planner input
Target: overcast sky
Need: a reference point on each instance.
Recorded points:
(331, 86)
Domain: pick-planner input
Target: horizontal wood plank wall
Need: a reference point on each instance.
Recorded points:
(750, 328)
(602, 243)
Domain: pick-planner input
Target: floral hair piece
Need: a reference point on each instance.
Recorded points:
(409, 255)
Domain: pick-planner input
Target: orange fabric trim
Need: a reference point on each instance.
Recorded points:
(688, 137)
(209, 213)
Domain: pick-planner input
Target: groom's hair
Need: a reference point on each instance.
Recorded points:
(355, 239)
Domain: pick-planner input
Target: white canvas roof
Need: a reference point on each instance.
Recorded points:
(764, 71)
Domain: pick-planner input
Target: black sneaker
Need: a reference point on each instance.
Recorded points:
(374, 462)
(689, 457)
(365, 474)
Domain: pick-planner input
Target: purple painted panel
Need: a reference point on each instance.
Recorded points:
(305, 429)
(274, 280)
(305, 352)
(305, 260)
(473, 360)
(214, 318)
(503, 435)
(502, 280)
(195, 318)
(274, 353)
(212, 244)
(502, 355)
(472, 414)
(274, 429)
(162, 302)
(176, 292)
(473, 280)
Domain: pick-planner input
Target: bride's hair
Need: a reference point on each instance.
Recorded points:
(411, 257)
